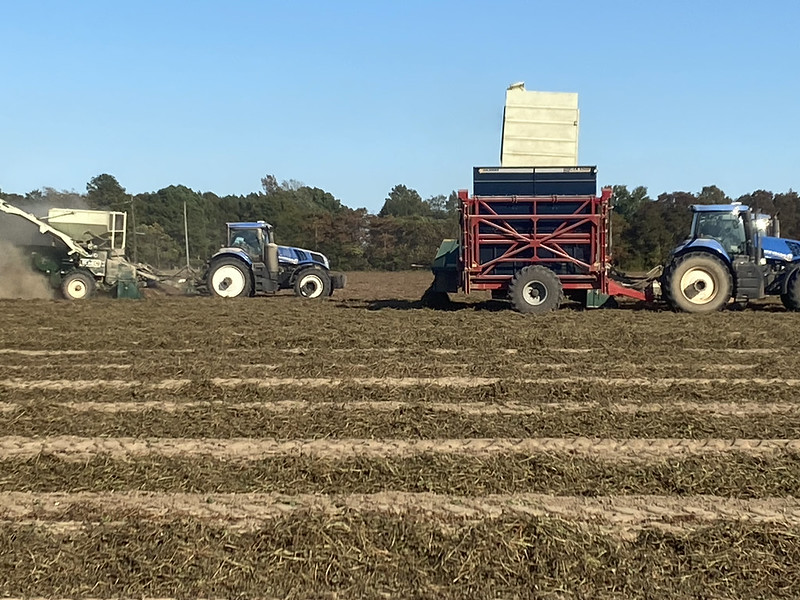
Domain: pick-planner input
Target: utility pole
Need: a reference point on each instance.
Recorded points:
(133, 223)
(186, 234)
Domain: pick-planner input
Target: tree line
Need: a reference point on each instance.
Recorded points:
(405, 232)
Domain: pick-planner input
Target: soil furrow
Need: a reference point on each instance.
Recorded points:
(466, 382)
(383, 350)
(499, 393)
(471, 408)
(423, 362)
(79, 448)
(625, 511)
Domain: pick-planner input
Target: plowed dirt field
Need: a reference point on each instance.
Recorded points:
(366, 447)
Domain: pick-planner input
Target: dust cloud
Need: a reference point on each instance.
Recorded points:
(18, 278)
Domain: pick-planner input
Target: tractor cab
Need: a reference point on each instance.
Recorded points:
(739, 232)
(730, 225)
(251, 237)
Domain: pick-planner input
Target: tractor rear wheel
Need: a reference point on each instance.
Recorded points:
(535, 290)
(791, 299)
(229, 278)
(697, 282)
(78, 285)
(313, 283)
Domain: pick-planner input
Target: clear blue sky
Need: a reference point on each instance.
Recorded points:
(357, 96)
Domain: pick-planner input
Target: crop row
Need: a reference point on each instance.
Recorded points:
(404, 420)
(533, 393)
(358, 554)
(732, 474)
(422, 367)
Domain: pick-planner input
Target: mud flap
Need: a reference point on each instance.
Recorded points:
(338, 281)
(597, 299)
(128, 289)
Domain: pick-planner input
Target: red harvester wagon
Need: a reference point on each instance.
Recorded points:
(535, 247)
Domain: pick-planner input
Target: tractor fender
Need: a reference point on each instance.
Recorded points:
(703, 245)
(221, 254)
(232, 253)
(712, 247)
(304, 266)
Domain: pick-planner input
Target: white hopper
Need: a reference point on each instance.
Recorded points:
(90, 225)
(539, 129)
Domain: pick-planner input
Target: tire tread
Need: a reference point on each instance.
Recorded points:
(536, 273)
(675, 264)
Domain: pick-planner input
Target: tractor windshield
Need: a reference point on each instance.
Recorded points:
(248, 239)
(727, 228)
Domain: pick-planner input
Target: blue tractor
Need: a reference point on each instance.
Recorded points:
(731, 253)
(252, 263)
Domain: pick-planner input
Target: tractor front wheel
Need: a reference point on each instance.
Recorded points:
(535, 290)
(697, 282)
(78, 285)
(791, 299)
(229, 278)
(313, 283)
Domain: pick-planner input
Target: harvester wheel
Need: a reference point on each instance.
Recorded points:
(791, 299)
(313, 283)
(229, 278)
(78, 285)
(697, 282)
(535, 290)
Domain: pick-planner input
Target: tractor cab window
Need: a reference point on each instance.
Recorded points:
(249, 240)
(726, 228)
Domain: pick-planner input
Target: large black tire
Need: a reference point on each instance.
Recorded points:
(229, 278)
(78, 285)
(313, 283)
(535, 290)
(791, 298)
(697, 282)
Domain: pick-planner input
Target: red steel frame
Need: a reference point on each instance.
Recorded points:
(593, 211)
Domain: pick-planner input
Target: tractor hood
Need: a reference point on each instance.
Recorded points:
(287, 255)
(296, 256)
(780, 249)
(776, 249)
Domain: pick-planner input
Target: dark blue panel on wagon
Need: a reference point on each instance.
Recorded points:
(534, 181)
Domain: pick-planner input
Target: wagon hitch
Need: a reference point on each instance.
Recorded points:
(646, 288)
